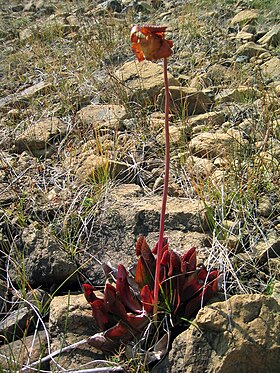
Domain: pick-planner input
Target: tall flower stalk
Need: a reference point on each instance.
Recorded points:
(165, 187)
(148, 43)
(172, 282)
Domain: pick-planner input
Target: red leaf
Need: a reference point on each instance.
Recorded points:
(125, 293)
(165, 259)
(100, 314)
(137, 322)
(189, 260)
(113, 303)
(164, 244)
(111, 339)
(89, 292)
(146, 264)
(119, 333)
(174, 264)
(192, 306)
(147, 299)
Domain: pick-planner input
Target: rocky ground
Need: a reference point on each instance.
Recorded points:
(81, 172)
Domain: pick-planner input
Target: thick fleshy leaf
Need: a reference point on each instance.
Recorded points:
(111, 339)
(126, 296)
(119, 333)
(189, 261)
(113, 303)
(193, 284)
(99, 342)
(208, 291)
(89, 292)
(100, 314)
(109, 270)
(164, 246)
(137, 322)
(147, 299)
(145, 268)
(174, 264)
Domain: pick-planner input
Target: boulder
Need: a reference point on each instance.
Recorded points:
(244, 17)
(144, 80)
(21, 352)
(272, 37)
(199, 168)
(185, 101)
(209, 120)
(70, 322)
(250, 49)
(240, 94)
(45, 262)
(99, 169)
(271, 68)
(266, 249)
(39, 138)
(210, 145)
(126, 213)
(102, 116)
(241, 334)
(218, 74)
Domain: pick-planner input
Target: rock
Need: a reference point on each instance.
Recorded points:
(243, 330)
(111, 5)
(246, 36)
(264, 206)
(7, 194)
(26, 34)
(70, 322)
(272, 37)
(144, 80)
(271, 68)
(276, 290)
(185, 101)
(40, 137)
(124, 217)
(102, 116)
(46, 264)
(249, 50)
(16, 324)
(210, 145)
(218, 74)
(74, 311)
(240, 94)
(98, 169)
(244, 17)
(26, 94)
(199, 168)
(176, 133)
(270, 248)
(209, 120)
(17, 354)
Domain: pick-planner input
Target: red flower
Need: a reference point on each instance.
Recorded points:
(148, 42)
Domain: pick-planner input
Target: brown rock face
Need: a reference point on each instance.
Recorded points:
(238, 335)
(144, 80)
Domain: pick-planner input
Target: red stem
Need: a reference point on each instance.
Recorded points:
(165, 189)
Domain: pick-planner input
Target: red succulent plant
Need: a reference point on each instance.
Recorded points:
(123, 313)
